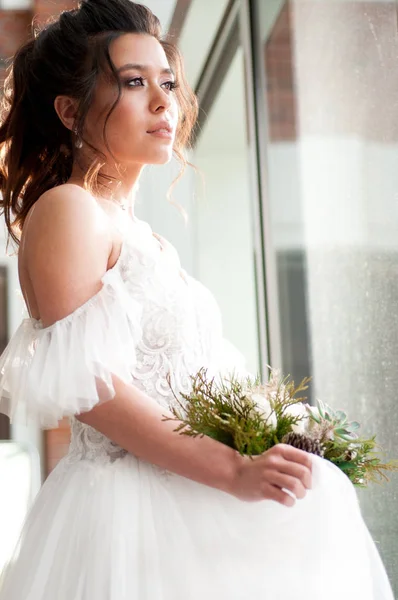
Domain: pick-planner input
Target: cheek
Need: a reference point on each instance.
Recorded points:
(123, 128)
(174, 110)
(128, 117)
(97, 115)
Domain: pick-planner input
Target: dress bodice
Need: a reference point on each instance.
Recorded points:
(181, 331)
(151, 325)
(180, 321)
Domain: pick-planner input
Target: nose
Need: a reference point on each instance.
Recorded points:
(160, 101)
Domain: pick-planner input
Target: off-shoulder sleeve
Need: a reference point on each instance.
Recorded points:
(67, 368)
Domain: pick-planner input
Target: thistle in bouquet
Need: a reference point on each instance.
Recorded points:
(251, 417)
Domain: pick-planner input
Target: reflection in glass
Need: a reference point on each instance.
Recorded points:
(332, 181)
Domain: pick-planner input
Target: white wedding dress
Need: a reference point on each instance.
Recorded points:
(107, 526)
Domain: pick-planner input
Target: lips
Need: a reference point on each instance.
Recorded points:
(162, 127)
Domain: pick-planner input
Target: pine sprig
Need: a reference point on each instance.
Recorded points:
(286, 395)
(223, 413)
(359, 460)
(229, 411)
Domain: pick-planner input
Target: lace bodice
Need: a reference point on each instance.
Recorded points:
(181, 331)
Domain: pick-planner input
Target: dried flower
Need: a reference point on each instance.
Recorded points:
(264, 407)
(300, 411)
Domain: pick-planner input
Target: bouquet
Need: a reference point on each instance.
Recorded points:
(251, 417)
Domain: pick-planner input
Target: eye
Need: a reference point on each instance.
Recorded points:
(170, 85)
(135, 82)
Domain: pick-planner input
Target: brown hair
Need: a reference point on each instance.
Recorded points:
(65, 58)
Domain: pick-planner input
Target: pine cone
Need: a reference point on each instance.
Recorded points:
(303, 442)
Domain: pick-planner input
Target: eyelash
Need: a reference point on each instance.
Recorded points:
(173, 84)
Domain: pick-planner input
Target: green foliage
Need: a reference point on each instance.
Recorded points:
(336, 421)
(222, 412)
(225, 411)
(359, 460)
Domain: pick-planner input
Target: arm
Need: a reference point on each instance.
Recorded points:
(68, 247)
(135, 422)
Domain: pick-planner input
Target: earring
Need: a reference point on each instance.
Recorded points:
(78, 140)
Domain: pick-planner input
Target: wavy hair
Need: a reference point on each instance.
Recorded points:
(66, 58)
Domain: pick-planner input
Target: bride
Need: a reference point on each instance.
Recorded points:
(136, 511)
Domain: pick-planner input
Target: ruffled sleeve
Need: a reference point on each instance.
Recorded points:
(66, 369)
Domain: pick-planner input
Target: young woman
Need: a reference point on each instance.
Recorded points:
(136, 511)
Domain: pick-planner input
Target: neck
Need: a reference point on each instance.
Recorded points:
(119, 185)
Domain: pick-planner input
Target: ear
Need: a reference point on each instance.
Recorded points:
(66, 109)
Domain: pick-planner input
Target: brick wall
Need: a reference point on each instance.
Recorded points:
(281, 97)
(46, 9)
(16, 26)
(14, 30)
(332, 70)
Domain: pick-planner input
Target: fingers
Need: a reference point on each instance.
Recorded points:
(275, 493)
(283, 481)
(291, 461)
(297, 471)
(295, 455)
(289, 468)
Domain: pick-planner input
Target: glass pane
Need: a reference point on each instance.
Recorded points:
(223, 220)
(332, 179)
(200, 29)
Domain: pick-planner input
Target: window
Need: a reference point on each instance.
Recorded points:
(330, 195)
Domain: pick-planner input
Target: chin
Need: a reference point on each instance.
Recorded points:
(160, 158)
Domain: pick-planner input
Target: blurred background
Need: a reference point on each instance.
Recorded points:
(293, 213)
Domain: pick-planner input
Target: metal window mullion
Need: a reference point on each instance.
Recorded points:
(219, 58)
(266, 268)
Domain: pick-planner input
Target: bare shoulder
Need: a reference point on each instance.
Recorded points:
(65, 249)
(66, 210)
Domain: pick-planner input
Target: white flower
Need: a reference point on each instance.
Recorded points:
(299, 410)
(264, 407)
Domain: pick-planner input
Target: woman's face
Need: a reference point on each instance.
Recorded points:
(141, 129)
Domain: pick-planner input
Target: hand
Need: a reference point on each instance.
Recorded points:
(265, 476)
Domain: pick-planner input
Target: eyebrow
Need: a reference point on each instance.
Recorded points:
(137, 67)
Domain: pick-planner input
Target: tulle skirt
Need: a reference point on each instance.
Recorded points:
(129, 531)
